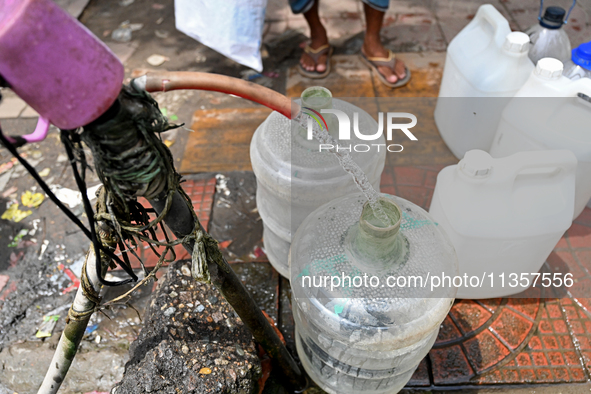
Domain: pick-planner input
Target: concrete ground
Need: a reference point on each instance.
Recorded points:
(548, 349)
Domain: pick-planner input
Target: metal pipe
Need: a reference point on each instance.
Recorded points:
(179, 220)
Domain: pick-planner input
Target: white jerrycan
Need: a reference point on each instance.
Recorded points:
(504, 216)
(486, 65)
(550, 111)
(294, 177)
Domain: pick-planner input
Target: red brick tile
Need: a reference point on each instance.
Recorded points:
(543, 375)
(571, 312)
(450, 365)
(584, 218)
(491, 378)
(523, 359)
(555, 358)
(571, 358)
(577, 327)
(527, 306)
(386, 179)
(421, 375)
(415, 194)
(564, 261)
(409, 176)
(527, 375)
(492, 303)
(430, 179)
(535, 343)
(584, 257)
(561, 374)
(565, 342)
(578, 374)
(579, 236)
(553, 311)
(485, 350)
(513, 328)
(448, 331)
(388, 189)
(562, 243)
(539, 359)
(584, 342)
(468, 315)
(550, 342)
(545, 327)
(510, 376)
(560, 326)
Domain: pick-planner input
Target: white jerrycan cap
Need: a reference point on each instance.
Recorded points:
(516, 42)
(549, 68)
(476, 163)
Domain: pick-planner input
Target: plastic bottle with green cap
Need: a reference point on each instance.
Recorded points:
(294, 176)
(364, 308)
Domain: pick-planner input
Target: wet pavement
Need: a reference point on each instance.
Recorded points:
(510, 345)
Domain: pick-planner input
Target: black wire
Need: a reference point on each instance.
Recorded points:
(90, 214)
(55, 200)
(42, 184)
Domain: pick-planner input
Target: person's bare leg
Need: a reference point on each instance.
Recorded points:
(372, 45)
(318, 38)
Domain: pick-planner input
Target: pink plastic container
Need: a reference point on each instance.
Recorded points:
(56, 64)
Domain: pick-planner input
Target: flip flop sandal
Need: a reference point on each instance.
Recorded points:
(315, 54)
(390, 61)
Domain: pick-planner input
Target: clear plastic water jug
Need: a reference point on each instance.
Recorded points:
(550, 111)
(369, 332)
(548, 38)
(504, 216)
(294, 177)
(580, 64)
(485, 66)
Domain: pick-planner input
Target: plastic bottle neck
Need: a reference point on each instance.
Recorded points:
(317, 98)
(374, 246)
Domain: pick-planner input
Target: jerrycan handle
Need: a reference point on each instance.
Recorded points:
(478, 164)
(567, 14)
(498, 22)
(579, 88)
(546, 161)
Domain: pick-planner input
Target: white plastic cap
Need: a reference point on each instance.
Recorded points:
(549, 68)
(476, 163)
(517, 42)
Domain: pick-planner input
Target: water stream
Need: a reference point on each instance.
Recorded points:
(348, 165)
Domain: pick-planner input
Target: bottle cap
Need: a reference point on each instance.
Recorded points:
(549, 68)
(476, 163)
(517, 42)
(553, 17)
(581, 55)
